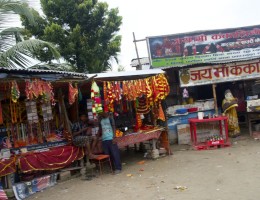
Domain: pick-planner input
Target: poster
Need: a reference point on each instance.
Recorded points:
(219, 73)
(214, 46)
(25, 189)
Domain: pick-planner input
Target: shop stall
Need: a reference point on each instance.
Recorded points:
(34, 105)
(206, 64)
(136, 101)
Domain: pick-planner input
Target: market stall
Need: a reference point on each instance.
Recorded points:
(34, 105)
(220, 65)
(135, 99)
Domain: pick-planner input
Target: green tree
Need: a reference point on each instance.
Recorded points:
(14, 50)
(84, 30)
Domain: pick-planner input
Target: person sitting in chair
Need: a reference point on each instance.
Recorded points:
(82, 136)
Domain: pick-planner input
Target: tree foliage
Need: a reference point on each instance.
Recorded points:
(14, 50)
(84, 30)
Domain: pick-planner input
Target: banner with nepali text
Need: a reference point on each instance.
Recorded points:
(212, 46)
(219, 73)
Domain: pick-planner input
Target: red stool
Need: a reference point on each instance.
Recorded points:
(99, 160)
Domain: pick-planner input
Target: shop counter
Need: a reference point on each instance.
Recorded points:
(53, 159)
(206, 145)
(135, 138)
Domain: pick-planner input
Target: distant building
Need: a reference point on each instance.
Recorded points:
(145, 63)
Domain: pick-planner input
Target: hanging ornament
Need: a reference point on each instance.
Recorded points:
(106, 101)
(142, 107)
(73, 93)
(96, 99)
(15, 93)
(161, 115)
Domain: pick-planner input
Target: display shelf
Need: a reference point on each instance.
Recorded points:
(209, 144)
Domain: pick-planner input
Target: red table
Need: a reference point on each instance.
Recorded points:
(138, 137)
(193, 131)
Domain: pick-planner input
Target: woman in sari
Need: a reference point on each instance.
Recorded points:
(229, 105)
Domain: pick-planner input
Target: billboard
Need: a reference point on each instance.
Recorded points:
(214, 46)
(219, 73)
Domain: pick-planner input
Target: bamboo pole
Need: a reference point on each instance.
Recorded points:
(137, 54)
(215, 98)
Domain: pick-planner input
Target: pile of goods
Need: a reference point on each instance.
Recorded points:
(215, 140)
(119, 133)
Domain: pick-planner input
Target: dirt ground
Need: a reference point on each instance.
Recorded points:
(231, 173)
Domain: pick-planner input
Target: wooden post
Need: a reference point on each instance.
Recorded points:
(215, 98)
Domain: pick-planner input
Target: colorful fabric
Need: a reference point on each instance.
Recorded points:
(82, 141)
(233, 126)
(53, 159)
(7, 167)
(73, 94)
(15, 92)
(136, 138)
(229, 105)
(3, 195)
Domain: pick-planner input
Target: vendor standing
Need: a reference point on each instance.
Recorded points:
(229, 105)
(107, 129)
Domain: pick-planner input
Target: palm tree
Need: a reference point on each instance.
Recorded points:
(14, 50)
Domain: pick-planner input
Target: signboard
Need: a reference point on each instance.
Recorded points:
(219, 73)
(216, 46)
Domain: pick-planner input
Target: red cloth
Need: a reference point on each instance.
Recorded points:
(53, 159)
(137, 138)
(7, 167)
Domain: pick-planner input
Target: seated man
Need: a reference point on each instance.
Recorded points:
(82, 135)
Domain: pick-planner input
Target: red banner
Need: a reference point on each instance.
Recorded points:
(7, 167)
(54, 159)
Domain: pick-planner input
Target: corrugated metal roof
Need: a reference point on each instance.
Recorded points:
(143, 61)
(40, 71)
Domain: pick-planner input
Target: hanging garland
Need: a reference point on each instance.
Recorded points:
(153, 89)
(15, 92)
(96, 99)
(39, 88)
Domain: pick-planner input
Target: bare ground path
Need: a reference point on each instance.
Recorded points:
(223, 174)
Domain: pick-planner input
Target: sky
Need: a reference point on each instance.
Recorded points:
(153, 18)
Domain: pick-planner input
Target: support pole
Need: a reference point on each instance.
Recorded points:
(215, 98)
(136, 50)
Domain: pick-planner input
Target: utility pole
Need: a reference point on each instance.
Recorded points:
(136, 50)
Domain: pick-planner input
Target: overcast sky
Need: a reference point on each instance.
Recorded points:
(152, 18)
